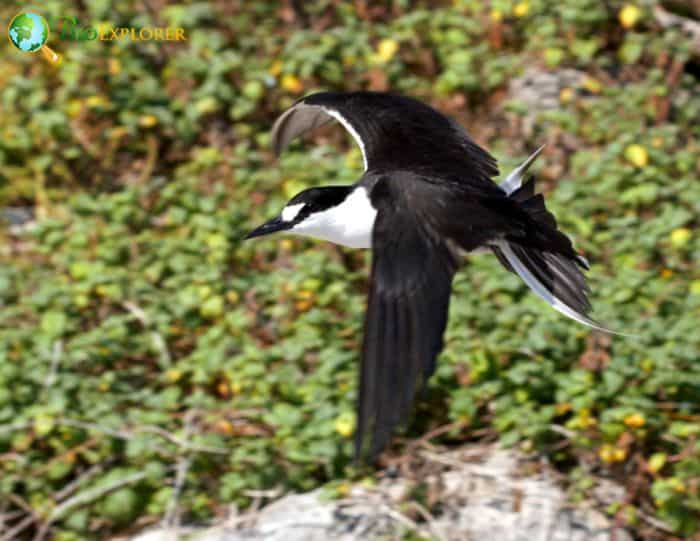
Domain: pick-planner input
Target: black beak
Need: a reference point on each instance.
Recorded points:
(274, 225)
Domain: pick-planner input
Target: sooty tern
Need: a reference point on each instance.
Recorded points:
(426, 194)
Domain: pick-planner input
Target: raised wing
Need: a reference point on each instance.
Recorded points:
(412, 272)
(393, 132)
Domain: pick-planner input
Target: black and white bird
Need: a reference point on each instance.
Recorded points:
(426, 196)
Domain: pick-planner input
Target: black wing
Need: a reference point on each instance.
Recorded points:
(411, 280)
(393, 132)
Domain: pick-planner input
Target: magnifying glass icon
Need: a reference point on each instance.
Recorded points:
(29, 32)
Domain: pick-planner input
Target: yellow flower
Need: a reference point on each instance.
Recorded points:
(223, 389)
(656, 462)
(96, 101)
(345, 424)
(114, 66)
(148, 121)
(292, 83)
(695, 287)
(619, 454)
(635, 420)
(305, 295)
(677, 485)
(680, 237)
(521, 9)
(224, 427)
(387, 49)
(343, 489)
(592, 85)
(286, 245)
(629, 15)
(566, 95)
(609, 454)
(637, 155)
(585, 419)
(496, 15)
(173, 375)
(666, 273)
(275, 68)
(232, 296)
(74, 108)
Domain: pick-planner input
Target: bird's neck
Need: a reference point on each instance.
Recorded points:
(349, 223)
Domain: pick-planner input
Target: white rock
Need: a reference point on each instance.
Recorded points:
(482, 497)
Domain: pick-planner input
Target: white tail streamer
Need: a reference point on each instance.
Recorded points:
(541, 291)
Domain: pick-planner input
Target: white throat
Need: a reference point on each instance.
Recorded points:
(349, 224)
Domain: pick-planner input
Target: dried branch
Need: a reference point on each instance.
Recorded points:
(127, 434)
(71, 487)
(171, 520)
(13, 534)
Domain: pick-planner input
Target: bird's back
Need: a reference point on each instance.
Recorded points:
(399, 132)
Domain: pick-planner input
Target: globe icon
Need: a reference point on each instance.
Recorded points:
(29, 32)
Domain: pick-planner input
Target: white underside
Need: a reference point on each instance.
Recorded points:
(349, 224)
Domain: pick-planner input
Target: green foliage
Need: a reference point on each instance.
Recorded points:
(135, 319)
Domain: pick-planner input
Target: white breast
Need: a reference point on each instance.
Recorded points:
(349, 224)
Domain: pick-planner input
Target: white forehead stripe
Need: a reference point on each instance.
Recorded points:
(355, 135)
(290, 212)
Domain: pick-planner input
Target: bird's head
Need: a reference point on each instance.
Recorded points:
(305, 212)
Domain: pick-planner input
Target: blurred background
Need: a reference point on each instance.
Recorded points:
(138, 333)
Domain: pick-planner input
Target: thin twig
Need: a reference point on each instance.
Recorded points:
(655, 522)
(71, 487)
(127, 434)
(31, 518)
(84, 498)
(123, 434)
(19, 528)
(563, 431)
(171, 520)
(15, 426)
(429, 520)
(56, 354)
(388, 511)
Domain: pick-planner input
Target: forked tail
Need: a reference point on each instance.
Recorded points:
(555, 274)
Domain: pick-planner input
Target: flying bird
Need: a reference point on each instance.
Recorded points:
(426, 196)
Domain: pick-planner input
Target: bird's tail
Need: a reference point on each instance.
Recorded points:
(554, 274)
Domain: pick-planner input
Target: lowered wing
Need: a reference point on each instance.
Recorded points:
(407, 308)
